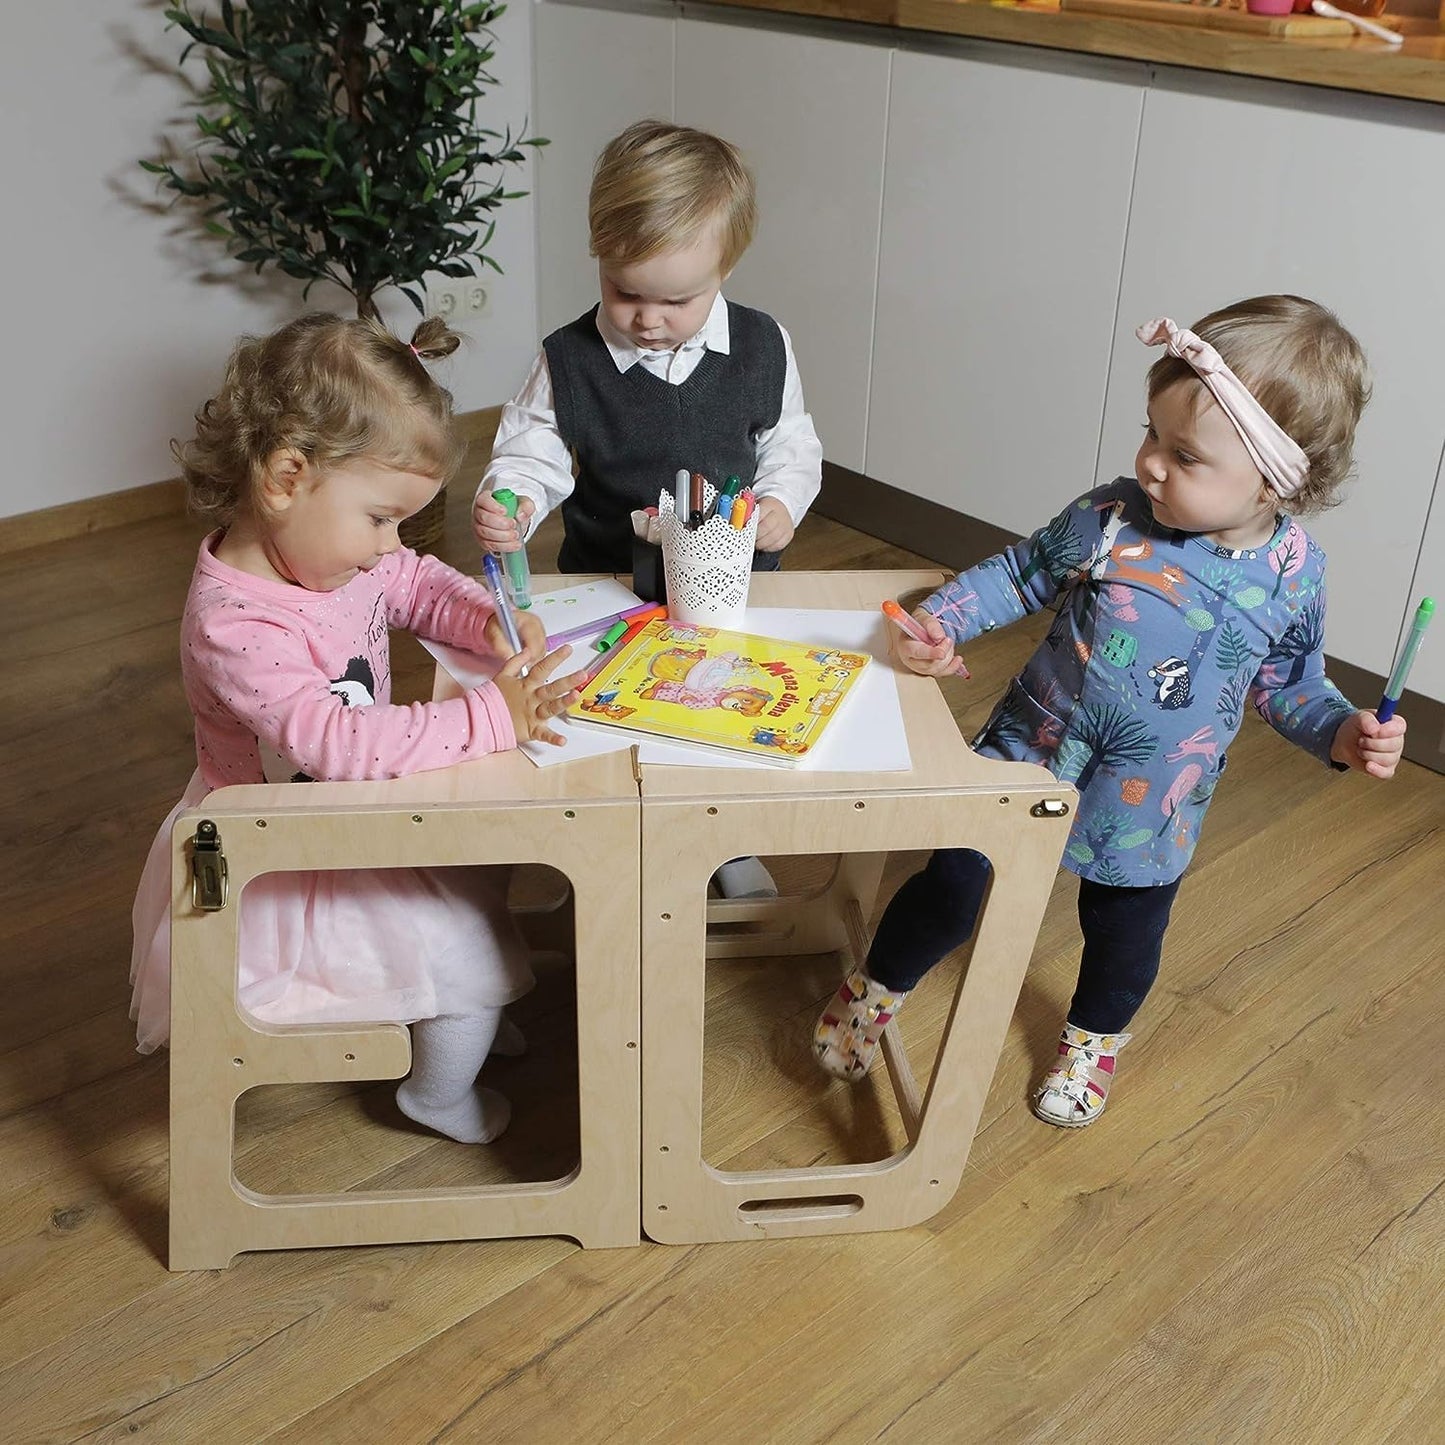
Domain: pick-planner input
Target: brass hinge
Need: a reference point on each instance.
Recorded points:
(208, 869)
(1050, 808)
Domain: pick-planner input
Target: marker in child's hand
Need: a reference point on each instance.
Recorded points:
(493, 569)
(1395, 688)
(894, 613)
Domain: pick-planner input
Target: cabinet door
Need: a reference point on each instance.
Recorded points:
(1003, 235)
(808, 114)
(1248, 188)
(597, 71)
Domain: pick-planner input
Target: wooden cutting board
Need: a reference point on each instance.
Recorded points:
(1214, 17)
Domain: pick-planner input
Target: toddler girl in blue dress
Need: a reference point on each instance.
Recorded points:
(1182, 595)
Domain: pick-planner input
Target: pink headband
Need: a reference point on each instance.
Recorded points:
(1277, 455)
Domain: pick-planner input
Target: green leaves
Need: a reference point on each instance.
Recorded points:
(338, 139)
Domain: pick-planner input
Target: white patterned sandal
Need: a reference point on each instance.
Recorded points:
(849, 1028)
(1073, 1093)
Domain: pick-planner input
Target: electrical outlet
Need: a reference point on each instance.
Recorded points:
(463, 298)
(476, 297)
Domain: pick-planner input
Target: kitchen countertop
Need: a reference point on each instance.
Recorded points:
(1414, 70)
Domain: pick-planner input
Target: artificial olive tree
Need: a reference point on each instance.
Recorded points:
(340, 139)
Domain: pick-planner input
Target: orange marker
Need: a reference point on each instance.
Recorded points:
(894, 613)
(637, 623)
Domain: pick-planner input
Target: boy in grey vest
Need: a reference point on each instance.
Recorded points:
(664, 375)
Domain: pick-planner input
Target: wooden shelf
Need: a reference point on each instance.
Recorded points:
(1414, 70)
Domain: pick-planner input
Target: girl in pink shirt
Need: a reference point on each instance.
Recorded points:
(323, 437)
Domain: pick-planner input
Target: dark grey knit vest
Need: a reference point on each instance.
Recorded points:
(632, 432)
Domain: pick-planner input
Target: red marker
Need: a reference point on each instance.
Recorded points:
(894, 613)
(636, 621)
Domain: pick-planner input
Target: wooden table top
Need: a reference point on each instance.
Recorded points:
(940, 757)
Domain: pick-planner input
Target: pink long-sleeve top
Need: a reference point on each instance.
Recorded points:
(287, 685)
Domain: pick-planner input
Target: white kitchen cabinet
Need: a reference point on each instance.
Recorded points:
(1244, 188)
(596, 71)
(809, 114)
(1428, 580)
(962, 238)
(1006, 198)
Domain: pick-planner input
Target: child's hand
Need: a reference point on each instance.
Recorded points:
(533, 699)
(532, 632)
(494, 529)
(1368, 745)
(934, 658)
(775, 526)
(529, 629)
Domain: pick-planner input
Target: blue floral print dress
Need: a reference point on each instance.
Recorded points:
(1160, 641)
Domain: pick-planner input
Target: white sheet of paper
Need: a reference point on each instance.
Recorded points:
(867, 737)
(572, 607)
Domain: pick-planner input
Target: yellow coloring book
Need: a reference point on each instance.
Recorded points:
(761, 696)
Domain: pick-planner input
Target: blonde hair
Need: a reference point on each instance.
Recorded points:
(1304, 368)
(658, 187)
(331, 389)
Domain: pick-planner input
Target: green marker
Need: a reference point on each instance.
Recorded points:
(611, 636)
(519, 574)
(1396, 685)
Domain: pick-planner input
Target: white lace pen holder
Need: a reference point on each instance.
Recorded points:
(707, 569)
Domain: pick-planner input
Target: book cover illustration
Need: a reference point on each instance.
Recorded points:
(762, 696)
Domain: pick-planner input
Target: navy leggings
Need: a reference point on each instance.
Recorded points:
(935, 912)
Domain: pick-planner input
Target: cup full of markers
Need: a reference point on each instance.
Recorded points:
(707, 535)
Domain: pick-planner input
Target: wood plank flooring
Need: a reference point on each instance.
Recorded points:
(1248, 1247)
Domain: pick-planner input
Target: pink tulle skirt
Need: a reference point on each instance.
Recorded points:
(346, 946)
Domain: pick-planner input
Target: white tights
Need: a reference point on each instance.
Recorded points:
(441, 1091)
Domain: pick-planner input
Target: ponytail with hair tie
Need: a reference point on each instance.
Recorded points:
(432, 340)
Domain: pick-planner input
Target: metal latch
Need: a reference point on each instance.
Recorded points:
(1050, 808)
(208, 869)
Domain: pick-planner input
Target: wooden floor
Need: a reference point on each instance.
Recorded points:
(1248, 1247)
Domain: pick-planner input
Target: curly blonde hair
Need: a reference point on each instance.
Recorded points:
(658, 187)
(333, 390)
(1304, 368)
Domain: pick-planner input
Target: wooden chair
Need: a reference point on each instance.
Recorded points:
(581, 819)
(695, 818)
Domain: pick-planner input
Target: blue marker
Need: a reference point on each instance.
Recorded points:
(493, 569)
(1396, 685)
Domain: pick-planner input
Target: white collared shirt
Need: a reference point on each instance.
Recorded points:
(530, 457)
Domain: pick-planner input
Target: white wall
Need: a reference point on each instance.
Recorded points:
(596, 73)
(121, 318)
